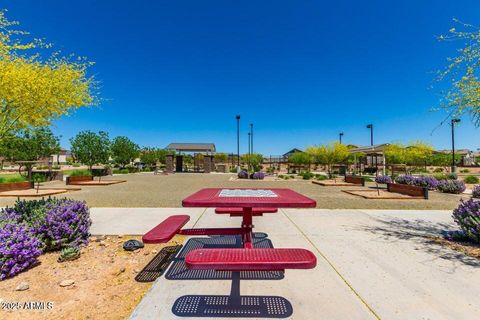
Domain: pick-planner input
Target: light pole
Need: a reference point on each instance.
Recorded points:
(238, 141)
(340, 135)
(455, 120)
(370, 126)
(249, 147)
(251, 137)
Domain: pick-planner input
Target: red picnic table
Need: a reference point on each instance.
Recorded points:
(252, 202)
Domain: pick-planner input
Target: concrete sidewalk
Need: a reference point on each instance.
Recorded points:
(371, 264)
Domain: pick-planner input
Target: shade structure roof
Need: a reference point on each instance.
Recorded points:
(370, 149)
(192, 147)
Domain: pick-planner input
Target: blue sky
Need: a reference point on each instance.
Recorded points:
(301, 71)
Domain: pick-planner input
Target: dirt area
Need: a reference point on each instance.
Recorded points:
(380, 194)
(96, 182)
(104, 285)
(149, 190)
(334, 183)
(469, 249)
(32, 192)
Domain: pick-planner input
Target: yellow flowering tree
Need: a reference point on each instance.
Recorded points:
(35, 90)
(462, 71)
(329, 154)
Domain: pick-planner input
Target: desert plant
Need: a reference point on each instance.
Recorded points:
(19, 249)
(69, 253)
(243, 175)
(451, 186)
(467, 217)
(80, 173)
(38, 178)
(383, 179)
(476, 192)
(471, 179)
(438, 170)
(464, 171)
(12, 179)
(426, 182)
(405, 179)
(258, 175)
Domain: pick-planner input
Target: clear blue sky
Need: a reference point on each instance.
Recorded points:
(301, 71)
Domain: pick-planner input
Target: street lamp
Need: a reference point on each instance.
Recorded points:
(251, 137)
(370, 126)
(340, 135)
(452, 123)
(249, 147)
(238, 140)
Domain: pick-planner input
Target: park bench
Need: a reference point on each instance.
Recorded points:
(414, 191)
(166, 230)
(238, 212)
(250, 259)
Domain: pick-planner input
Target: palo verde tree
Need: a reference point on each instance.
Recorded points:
(151, 156)
(300, 158)
(91, 148)
(462, 71)
(254, 160)
(33, 89)
(124, 151)
(329, 154)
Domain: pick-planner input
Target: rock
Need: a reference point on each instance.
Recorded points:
(154, 251)
(22, 286)
(102, 244)
(66, 283)
(120, 271)
(136, 270)
(93, 239)
(120, 236)
(146, 253)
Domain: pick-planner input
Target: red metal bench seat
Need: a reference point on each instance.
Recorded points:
(238, 212)
(165, 231)
(250, 259)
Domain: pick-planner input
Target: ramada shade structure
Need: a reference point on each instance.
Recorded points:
(192, 147)
(368, 150)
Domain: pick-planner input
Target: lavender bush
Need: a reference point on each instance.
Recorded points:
(426, 182)
(243, 175)
(467, 216)
(258, 175)
(383, 179)
(19, 249)
(451, 186)
(405, 179)
(476, 192)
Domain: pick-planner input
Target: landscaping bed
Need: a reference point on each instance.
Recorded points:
(381, 194)
(468, 248)
(103, 278)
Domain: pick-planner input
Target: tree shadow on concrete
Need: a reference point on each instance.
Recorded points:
(421, 234)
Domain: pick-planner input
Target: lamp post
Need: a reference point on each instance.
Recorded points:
(370, 126)
(249, 147)
(340, 135)
(452, 123)
(251, 137)
(238, 141)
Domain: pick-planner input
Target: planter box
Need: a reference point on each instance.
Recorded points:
(16, 186)
(72, 180)
(355, 180)
(414, 191)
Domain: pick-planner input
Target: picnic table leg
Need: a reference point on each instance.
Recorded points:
(247, 226)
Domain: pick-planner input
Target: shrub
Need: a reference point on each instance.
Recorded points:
(464, 171)
(426, 182)
(471, 179)
(405, 179)
(19, 249)
(383, 179)
(452, 176)
(80, 173)
(440, 176)
(476, 192)
(451, 186)
(258, 175)
(75, 165)
(467, 217)
(306, 175)
(243, 175)
(281, 176)
(120, 171)
(11, 179)
(320, 177)
(438, 170)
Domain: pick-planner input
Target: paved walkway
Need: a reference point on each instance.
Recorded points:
(371, 264)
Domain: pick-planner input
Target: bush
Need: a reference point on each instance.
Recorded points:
(476, 192)
(405, 179)
(80, 173)
(75, 165)
(464, 171)
(451, 186)
(14, 178)
(452, 176)
(19, 249)
(425, 182)
(306, 175)
(243, 175)
(258, 175)
(438, 170)
(120, 171)
(320, 177)
(471, 179)
(467, 217)
(383, 179)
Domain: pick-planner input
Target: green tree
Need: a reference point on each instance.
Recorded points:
(221, 157)
(124, 151)
(329, 154)
(31, 145)
(33, 89)
(300, 158)
(462, 71)
(91, 148)
(255, 160)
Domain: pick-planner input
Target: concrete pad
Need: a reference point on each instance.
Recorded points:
(135, 221)
(314, 294)
(385, 256)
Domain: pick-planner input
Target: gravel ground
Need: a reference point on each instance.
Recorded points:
(149, 190)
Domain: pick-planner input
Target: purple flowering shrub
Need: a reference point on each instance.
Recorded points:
(451, 186)
(31, 227)
(19, 249)
(476, 192)
(258, 175)
(425, 182)
(383, 179)
(243, 175)
(467, 216)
